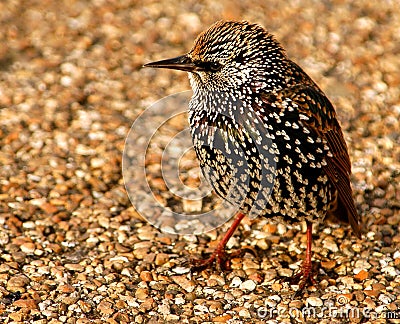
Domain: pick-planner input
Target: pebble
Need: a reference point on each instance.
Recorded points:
(244, 313)
(236, 282)
(314, 301)
(218, 279)
(329, 264)
(362, 264)
(330, 244)
(146, 276)
(28, 304)
(105, 307)
(186, 284)
(192, 206)
(161, 258)
(385, 299)
(28, 248)
(391, 271)
(276, 287)
(17, 283)
(249, 285)
(361, 274)
(65, 288)
(181, 270)
(74, 267)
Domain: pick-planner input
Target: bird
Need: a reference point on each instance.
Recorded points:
(266, 136)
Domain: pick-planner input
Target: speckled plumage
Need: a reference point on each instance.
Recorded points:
(254, 81)
(266, 136)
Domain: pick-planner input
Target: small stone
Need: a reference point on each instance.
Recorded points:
(249, 264)
(71, 298)
(200, 309)
(298, 304)
(236, 282)
(181, 270)
(16, 316)
(56, 248)
(192, 206)
(28, 248)
(263, 244)
(314, 301)
(270, 228)
(185, 283)
(391, 271)
(369, 303)
(385, 299)
(48, 208)
(146, 235)
(362, 264)
(218, 279)
(222, 318)
(330, 264)
(74, 267)
(361, 275)
(256, 277)
(244, 313)
(105, 307)
(171, 318)
(146, 276)
(378, 286)
(65, 288)
(97, 162)
(357, 247)
(341, 269)
(161, 258)
(276, 286)
(142, 293)
(249, 285)
(216, 307)
(372, 292)
(347, 280)
(85, 307)
(17, 283)
(25, 303)
(330, 244)
(164, 308)
(285, 272)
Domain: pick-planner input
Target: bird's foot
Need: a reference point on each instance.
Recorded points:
(303, 279)
(221, 258)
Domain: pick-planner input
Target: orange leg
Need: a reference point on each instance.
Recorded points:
(220, 256)
(305, 276)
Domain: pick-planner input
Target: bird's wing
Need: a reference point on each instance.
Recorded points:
(316, 112)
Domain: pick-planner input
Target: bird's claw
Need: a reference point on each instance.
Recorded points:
(303, 279)
(221, 258)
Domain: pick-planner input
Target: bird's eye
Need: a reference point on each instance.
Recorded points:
(214, 66)
(209, 66)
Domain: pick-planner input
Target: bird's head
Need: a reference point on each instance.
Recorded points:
(228, 55)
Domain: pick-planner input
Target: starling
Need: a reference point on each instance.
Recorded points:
(265, 134)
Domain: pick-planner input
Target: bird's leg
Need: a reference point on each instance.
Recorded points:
(219, 255)
(305, 276)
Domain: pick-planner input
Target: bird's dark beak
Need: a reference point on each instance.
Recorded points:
(183, 63)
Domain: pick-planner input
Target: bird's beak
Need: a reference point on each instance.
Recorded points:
(183, 63)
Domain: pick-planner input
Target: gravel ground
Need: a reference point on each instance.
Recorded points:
(74, 250)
